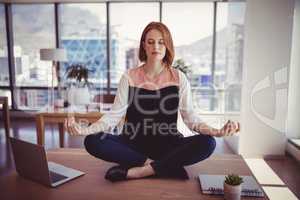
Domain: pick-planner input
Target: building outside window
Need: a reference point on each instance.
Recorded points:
(33, 29)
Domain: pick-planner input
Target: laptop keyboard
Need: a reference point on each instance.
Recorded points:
(56, 177)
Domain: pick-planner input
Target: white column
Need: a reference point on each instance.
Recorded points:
(268, 34)
(293, 122)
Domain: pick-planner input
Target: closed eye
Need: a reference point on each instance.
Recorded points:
(151, 41)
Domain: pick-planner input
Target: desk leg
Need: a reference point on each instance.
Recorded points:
(6, 119)
(61, 134)
(40, 130)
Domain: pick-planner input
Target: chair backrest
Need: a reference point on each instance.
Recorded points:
(104, 98)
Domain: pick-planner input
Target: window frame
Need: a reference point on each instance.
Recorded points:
(9, 33)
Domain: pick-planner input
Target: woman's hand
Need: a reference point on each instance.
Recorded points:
(228, 129)
(72, 126)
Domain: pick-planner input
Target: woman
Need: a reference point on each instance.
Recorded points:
(150, 96)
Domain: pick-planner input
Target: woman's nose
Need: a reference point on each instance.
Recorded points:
(156, 46)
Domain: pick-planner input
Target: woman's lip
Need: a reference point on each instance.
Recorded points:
(155, 53)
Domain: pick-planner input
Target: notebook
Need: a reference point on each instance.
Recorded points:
(213, 184)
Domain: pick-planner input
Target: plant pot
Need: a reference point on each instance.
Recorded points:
(79, 96)
(232, 192)
(59, 103)
(82, 96)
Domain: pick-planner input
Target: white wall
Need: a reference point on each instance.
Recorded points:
(268, 31)
(293, 123)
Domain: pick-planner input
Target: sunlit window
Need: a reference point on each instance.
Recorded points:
(127, 23)
(191, 25)
(215, 74)
(229, 54)
(4, 75)
(33, 29)
(83, 34)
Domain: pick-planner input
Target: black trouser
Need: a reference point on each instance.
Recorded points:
(172, 154)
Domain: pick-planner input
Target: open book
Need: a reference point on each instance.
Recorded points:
(213, 184)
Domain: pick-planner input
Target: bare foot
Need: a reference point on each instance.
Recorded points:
(140, 172)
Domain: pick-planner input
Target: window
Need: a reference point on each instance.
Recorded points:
(193, 45)
(127, 23)
(229, 53)
(82, 31)
(4, 75)
(33, 29)
(83, 34)
(6, 93)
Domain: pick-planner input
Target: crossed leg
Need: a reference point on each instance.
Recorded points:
(117, 149)
(114, 148)
(185, 151)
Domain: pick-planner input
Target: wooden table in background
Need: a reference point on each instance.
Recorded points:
(59, 117)
(6, 118)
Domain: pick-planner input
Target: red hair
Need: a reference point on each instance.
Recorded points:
(169, 57)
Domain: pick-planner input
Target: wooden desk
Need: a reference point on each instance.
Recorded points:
(93, 186)
(6, 118)
(59, 117)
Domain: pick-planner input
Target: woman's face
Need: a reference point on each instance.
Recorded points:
(154, 45)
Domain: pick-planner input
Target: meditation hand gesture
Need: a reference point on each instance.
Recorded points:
(228, 129)
(72, 127)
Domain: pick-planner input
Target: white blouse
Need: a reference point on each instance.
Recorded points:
(112, 118)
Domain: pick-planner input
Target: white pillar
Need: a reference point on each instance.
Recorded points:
(268, 33)
(293, 122)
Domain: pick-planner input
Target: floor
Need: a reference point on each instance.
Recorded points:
(286, 168)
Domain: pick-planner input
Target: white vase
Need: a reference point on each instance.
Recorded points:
(78, 96)
(232, 192)
(70, 95)
(82, 96)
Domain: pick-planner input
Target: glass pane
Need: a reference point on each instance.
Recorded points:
(229, 52)
(126, 31)
(4, 75)
(32, 99)
(33, 29)
(83, 34)
(6, 93)
(193, 46)
(207, 100)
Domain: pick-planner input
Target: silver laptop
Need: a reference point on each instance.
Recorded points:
(31, 162)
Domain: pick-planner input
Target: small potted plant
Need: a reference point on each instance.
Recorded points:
(80, 94)
(232, 187)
